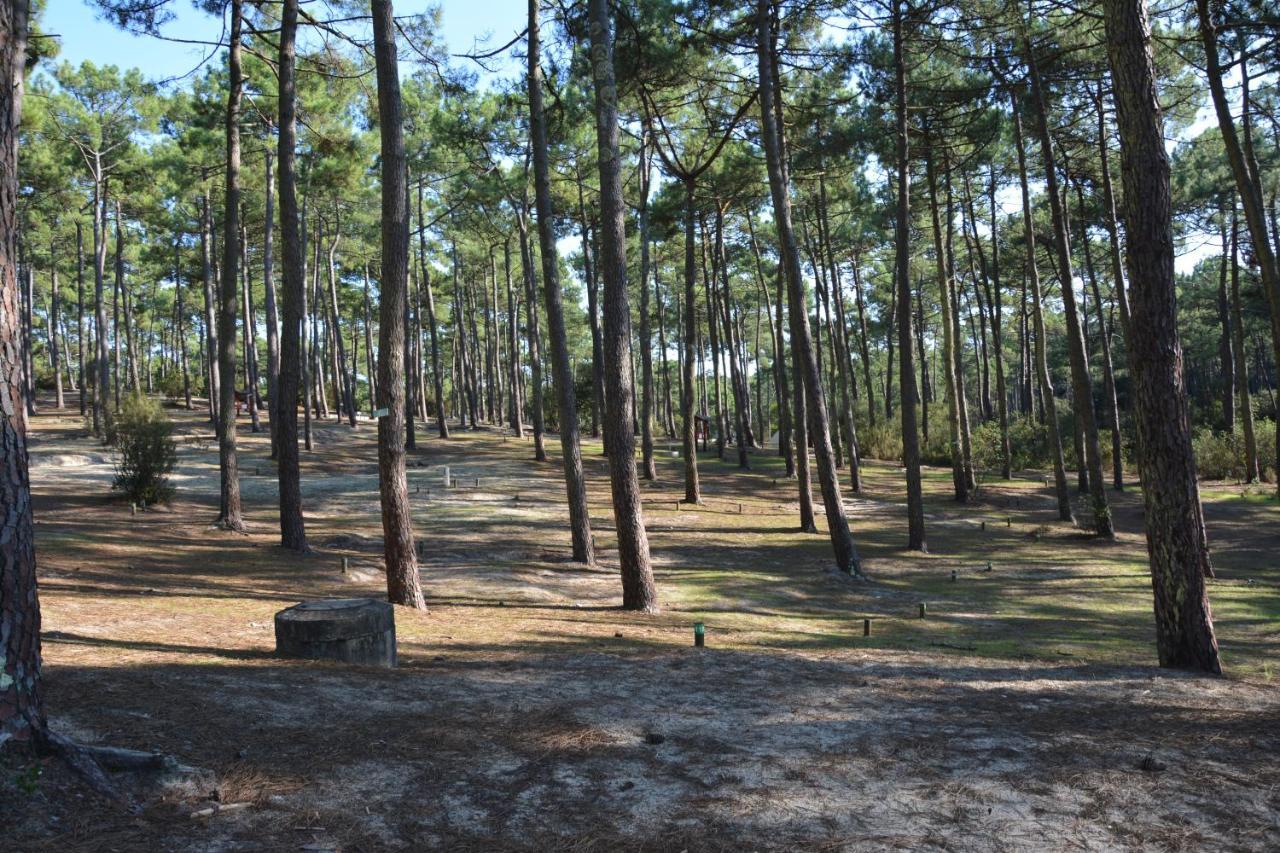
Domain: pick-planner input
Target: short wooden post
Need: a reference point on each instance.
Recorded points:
(923, 609)
(346, 565)
(446, 477)
(866, 627)
(953, 575)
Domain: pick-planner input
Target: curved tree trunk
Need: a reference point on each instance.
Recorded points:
(1040, 358)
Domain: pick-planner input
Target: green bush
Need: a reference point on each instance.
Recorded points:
(142, 436)
(1220, 455)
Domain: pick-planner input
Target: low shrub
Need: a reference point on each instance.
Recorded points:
(146, 454)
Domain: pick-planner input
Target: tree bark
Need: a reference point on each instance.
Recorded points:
(403, 584)
(269, 297)
(229, 510)
(1041, 360)
(959, 479)
(284, 401)
(1176, 536)
(21, 692)
(210, 314)
(575, 482)
(846, 554)
(646, 335)
(1251, 468)
(638, 591)
(902, 272)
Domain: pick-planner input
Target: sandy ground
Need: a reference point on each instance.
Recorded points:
(529, 713)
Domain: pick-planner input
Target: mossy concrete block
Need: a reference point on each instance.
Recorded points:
(354, 630)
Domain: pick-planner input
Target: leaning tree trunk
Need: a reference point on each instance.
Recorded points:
(1081, 385)
(21, 695)
(1248, 183)
(1041, 360)
(1176, 536)
(403, 584)
(284, 401)
(846, 553)
(638, 591)
(562, 367)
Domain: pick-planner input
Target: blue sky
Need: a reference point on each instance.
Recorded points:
(84, 36)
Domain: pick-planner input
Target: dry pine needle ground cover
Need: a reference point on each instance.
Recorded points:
(1022, 712)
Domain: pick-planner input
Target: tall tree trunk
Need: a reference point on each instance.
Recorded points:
(229, 511)
(403, 584)
(1226, 356)
(646, 336)
(575, 482)
(1176, 535)
(293, 344)
(344, 393)
(1040, 357)
(1081, 384)
(369, 366)
(1251, 469)
(532, 334)
(1108, 373)
(437, 377)
(959, 479)
(212, 377)
(117, 364)
(21, 693)
(593, 315)
(692, 488)
(269, 297)
(966, 434)
(81, 376)
(990, 272)
(249, 326)
(902, 290)
(181, 313)
(638, 591)
(102, 360)
(55, 310)
(514, 414)
(846, 554)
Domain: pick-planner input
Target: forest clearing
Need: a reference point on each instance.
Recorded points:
(639, 425)
(1017, 714)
